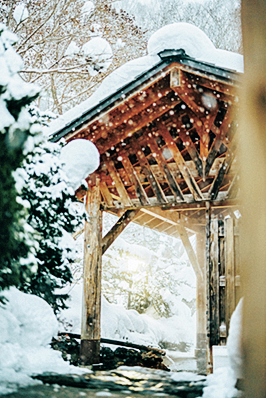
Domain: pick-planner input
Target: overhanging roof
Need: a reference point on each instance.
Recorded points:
(167, 57)
(167, 140)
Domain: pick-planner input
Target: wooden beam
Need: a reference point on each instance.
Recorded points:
(156, 187)
(187, 141)
(91, 307)
(225, 91)
(119, 227)
(188, 177)
(218, 141)
(106, 194)
(190, 251)
(133, 176)
(174, 186)
(172, 218)
(189, 144)
(117, 180)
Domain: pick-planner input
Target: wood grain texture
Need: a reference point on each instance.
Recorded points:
(92, 269)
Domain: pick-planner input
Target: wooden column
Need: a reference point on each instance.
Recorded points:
(208, 300)
(201, 307)
(92, 269)
(229, 270)
(253, 191)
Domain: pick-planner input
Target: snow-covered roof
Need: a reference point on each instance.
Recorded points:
(198, 50)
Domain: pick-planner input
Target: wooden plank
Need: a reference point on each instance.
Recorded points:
(91, 307)
(229, 270)
(223, 90)
(119, 227)
(214, 284)
(190, 181)
(107, 197)
(117, 180)
(133, 176)
(192, 151)
(190, 251)
(174, 186)
(189, 144)
(204, 132)
(156, 187)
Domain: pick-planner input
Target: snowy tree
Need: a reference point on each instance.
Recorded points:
(221, 21)
(16, 239)
(54, 214)
(69, 46)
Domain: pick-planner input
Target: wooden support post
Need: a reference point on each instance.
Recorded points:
(253, 191)
(208, 298)
(189, 249)
(118, 228)
(229, 270)
(91, 308)
(212, 286)
(201, 307)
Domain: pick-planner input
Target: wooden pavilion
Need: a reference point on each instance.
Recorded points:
(168, 160)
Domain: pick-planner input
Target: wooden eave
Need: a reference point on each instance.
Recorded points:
(167, 140)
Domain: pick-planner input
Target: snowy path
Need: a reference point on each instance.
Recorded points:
(66, 392)
(123, 381)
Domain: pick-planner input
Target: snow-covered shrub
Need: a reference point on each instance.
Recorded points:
(16, 261)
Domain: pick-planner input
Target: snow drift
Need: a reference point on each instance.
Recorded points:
(27, 325)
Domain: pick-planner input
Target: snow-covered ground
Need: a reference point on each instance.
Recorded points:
(127, 325)
(27, 325)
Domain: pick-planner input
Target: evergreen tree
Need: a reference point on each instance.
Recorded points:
(54, 216)
(16, 242)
